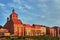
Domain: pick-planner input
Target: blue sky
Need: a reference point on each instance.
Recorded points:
(43, 12)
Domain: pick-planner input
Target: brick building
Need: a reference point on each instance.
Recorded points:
(4, 32)
(15, 27)
(53, 31)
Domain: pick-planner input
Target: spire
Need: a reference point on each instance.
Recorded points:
(13, 10)
(13, 15)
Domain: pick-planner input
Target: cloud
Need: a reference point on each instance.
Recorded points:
(57, 1)
(11, 5)
(43, 7)
(43, 0)
(27, 6)
(42, 16)
(18, 4)
(21, 9)
(57, 4)
(17, 1)
(5, 15)
(37, 11)
(2, 5)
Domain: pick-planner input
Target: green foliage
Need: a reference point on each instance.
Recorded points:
(45, 37)
(0, 26)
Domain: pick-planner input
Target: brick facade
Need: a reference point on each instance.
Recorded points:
(17, 28)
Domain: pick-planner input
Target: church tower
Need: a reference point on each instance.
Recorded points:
(14, 25)
(13, 16)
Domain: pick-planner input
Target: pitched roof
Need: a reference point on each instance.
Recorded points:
(17, 21)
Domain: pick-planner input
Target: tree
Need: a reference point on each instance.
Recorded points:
(0, 26)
